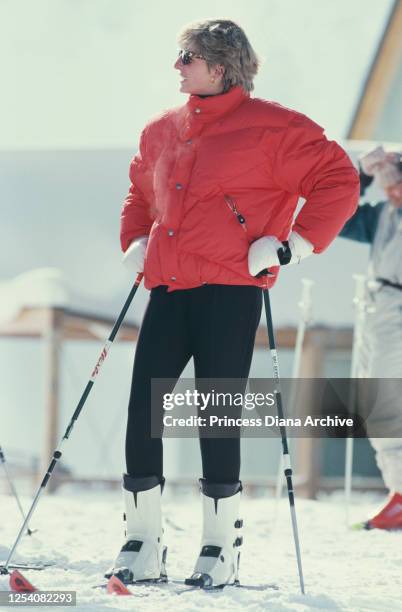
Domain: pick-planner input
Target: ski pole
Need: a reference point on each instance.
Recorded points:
(286, 457)
(305, 305)
(58, 453)
(13, 489)
(360, 307)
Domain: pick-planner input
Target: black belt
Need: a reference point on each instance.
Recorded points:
(387, 283)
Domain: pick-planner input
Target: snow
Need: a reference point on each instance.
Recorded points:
(344, 569)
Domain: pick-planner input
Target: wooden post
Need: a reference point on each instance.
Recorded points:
(52, 337)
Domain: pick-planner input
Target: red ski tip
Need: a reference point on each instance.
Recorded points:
(20, 584)
(117, 587)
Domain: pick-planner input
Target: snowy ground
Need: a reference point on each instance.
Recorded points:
(344, 569)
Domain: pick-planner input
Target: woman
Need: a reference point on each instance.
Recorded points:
(215, 185)
(380, 356)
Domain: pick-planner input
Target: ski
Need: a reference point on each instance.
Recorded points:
(20, 584)
(143, 589)
(114, 586)
(39, 566)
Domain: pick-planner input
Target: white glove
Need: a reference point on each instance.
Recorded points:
(263, 253)
(134, 257)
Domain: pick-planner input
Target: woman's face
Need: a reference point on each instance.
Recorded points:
(197, 79)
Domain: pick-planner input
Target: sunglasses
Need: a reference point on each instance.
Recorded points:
(188, 56)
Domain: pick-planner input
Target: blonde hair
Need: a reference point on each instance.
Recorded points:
(223, 42)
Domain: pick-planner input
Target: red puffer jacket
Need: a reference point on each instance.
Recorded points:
(218, 173)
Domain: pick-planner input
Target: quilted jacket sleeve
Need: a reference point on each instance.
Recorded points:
(319, 170)
(136, 218)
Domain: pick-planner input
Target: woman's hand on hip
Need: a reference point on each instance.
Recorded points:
(268, 251)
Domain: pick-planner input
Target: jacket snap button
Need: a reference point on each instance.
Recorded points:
(179, 185)
(170, 233)
(189, 141)
(173, 278)
(197, 110)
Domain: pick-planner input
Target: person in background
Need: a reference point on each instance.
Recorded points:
(380, 225)
(214, 190)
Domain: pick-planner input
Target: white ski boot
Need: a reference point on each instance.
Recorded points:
(218, 562)
(143, 556)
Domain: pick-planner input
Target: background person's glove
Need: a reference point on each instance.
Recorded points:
(134, 257)
(268, 251)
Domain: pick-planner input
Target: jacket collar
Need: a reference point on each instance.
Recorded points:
(214, 107)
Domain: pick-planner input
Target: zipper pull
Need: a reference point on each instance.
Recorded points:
(230, 202)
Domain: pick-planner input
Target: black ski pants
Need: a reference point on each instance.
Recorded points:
(214, 324)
